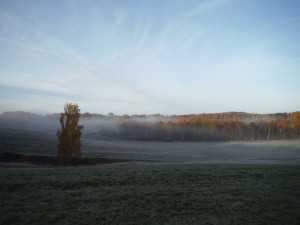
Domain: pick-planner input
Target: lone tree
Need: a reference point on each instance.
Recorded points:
(69, 143)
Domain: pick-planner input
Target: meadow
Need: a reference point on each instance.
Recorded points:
(151, 194)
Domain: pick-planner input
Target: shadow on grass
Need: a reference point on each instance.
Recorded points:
(34, 160)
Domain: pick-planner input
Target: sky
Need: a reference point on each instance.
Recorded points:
(146, 57)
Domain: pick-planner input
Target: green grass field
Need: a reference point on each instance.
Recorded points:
(151, 194)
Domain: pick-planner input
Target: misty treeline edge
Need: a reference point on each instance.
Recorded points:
(194, 127)
(217, 126)
(69, 144)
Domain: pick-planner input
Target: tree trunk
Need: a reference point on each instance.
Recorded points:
(280, 133)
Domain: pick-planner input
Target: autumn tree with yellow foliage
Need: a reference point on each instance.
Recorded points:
(69, 144)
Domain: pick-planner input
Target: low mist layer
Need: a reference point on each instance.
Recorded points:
(200, 127)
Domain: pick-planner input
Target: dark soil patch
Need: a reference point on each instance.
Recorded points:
(51, 161)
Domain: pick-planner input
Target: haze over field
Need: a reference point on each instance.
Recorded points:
(230, 126)
(136, 57)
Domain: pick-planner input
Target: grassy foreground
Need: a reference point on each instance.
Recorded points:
(151, 194)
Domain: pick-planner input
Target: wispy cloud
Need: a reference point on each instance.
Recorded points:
(290, 20)
(205, 7)
(126, 57)
(10, 91)
(68, 64)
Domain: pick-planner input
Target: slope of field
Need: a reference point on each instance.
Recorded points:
(151, 194)
(260, 152)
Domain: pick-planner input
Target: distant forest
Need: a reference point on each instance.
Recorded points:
(216, 126)
(228, 126)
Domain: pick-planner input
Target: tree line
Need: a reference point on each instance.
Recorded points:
(215, 127)
(201, 127)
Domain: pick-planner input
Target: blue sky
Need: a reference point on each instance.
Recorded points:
(155, 56)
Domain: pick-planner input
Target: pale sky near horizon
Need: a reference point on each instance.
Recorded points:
(154, 56)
